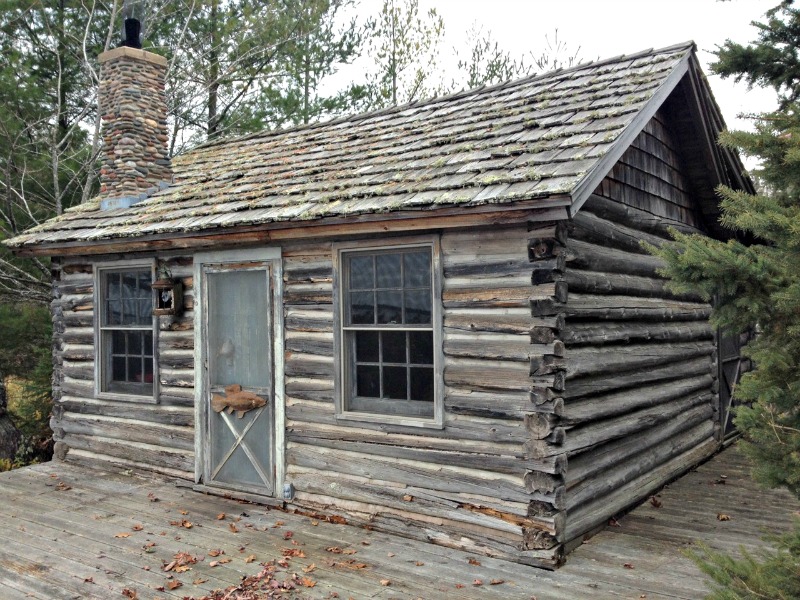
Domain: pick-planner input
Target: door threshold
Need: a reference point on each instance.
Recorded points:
(237, 495)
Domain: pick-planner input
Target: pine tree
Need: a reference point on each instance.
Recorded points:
(753, 280)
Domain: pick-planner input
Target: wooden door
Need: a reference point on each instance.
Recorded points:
(731, 367)
(238, 386)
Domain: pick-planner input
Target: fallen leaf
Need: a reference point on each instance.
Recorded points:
(63, 487)
(288, 534)
(408, 498)
(250, 558)
(496, 581)
(184, 512)
(233, 528)
(199, 580)
(174, 585)
(122, 535)
(459, 585)
(223, 561)
(364, 543)
(338, 520)
(390, 554)
(137, 528)
(385, 582)
(628, 565)
(474, 561)
(294, 552)
(349, 551)
(334, 549)
(88, 580)
(128, 593)
(723, 517)
(314, 523)
(220, 516)
(152, 497)
(215, 552)
(182, 569)
(655, 502)
(278, 524)
(309, 568)
(307, 582)
(477, 582)
(419, 563)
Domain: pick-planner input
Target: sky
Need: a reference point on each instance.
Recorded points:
(607, 28)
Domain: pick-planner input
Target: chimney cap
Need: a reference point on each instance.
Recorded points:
(132, 23)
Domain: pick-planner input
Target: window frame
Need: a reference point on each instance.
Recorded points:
(343, 365)
(103, 357)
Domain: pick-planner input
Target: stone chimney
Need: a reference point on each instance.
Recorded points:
(133, 108)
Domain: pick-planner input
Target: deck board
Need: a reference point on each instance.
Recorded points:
(52, 539)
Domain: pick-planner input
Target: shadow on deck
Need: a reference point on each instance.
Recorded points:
(69, 531)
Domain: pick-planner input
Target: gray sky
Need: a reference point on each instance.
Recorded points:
(607, 28)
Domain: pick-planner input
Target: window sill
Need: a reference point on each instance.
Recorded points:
(395, 420)
(133, 398)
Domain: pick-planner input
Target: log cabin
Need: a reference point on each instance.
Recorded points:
(436, 319)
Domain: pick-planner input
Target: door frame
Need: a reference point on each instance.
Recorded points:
(271, 256)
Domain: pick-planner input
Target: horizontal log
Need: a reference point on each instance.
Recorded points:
(462, 245)
(78, 352)
(179, 417)
(599, 407)
(487, 375)
(491, 405)
(488, 346)
(312, 319)
(594, 462)
(181, 378)
(579, 333)
(579, 439)
(633, 217)
(628, 468)
(176, 340)
(92, 449)
(595, 282)
(501, 320)
(487, 267)
(431, 452)
(310, 343)
(176, 359)
(669, 372)
(308, 293)
(480, 297)
(603, 361)
(592, 257)
(78, 335)
(588, 227)
(307, 365)
(591, 515)
(128, 430)
(619, 308)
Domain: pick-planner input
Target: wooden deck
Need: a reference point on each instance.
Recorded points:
(68, 531)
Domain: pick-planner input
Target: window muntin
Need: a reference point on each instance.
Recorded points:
(126, 331)
(388, 332)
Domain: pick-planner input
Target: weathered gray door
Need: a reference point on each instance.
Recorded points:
(239, 380)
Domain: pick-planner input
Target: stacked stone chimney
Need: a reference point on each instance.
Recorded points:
(133, 108)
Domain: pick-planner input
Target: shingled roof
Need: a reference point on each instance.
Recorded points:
(547, 139)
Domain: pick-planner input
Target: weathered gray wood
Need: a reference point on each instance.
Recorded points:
(590, 228)
(669, 372)
(612, 307)
(591, 257)
(129, 430)
(586, 361)
(579, 333)
(595, 282)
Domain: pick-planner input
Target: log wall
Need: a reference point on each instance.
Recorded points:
(157, 436)
(471, 484)
(640, 403)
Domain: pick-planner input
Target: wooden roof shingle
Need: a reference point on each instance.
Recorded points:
(544, 137)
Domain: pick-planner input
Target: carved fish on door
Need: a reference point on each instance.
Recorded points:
(235, 399)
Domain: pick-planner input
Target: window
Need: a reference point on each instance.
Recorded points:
(389, 333)
(125, 331)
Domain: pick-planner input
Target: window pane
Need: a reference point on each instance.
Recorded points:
(418, 307)
(118, 368)
(147, 343)
(361, 273)
(390, 309)
(394, 383)
(368, 381)
(113, 312)
(118, 345)
(148, 371)
(388, 270)
(366, 346)
(421, 350)
(135, 371)
(144, 310)
(134, 343)
(362, 308)
(394, 346)
(422, 384)
(417, 269)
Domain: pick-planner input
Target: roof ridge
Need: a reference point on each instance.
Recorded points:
(510, 83)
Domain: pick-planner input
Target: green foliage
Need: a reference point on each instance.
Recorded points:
(756, 285)
(404, 46)
(772, 574)
(25, 331)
